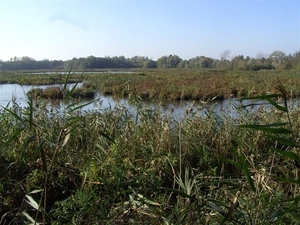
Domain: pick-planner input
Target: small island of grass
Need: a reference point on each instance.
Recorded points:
(57, 92)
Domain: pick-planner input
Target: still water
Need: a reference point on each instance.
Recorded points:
(178, 108)
(8, 92)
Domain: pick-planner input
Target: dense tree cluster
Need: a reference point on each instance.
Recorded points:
(276, 60)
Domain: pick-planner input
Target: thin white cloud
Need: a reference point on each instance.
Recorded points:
(64, 17)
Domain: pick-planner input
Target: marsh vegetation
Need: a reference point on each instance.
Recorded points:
(189, 84)
(168, 84)
(108, 166)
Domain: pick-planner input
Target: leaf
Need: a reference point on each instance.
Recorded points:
(43, 155)
(13, 137)
(294, 203)
(281, 108)
(275, 215)
(269, 99)
(36, 191)
(217, 208)
(13, 114)
(266, 125)
(242, 161)
(248, 176)
(179, 192)
(147, 200)
(102, 149)
(67, 79)
(262, 97)
(290, 155)
(233, 163)
(252, 104)
(79, 106)
(72, 120)
(32, 202)
(107, 137)
(29, 217)
(30, 103)
(282, 140)
(30, 139)
(66, 139)
(289, 180)
(71, 91)
(268, 129)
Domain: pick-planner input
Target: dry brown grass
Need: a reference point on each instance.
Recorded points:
(188, 84)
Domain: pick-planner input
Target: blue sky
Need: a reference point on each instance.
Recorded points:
(65, 29)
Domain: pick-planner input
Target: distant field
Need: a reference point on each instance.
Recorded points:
(189, 84)
(171, 84)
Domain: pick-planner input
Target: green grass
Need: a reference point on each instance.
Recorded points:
(110, 166)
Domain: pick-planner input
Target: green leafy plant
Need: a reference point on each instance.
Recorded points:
(286, 148)
(36, 149)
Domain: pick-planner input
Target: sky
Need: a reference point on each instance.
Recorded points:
(64, 29)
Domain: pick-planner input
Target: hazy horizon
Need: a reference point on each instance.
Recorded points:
(62, 30)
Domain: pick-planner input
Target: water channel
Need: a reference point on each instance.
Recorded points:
(178, 108)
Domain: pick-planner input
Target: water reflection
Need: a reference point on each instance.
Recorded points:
(228, 107)
(18, 92)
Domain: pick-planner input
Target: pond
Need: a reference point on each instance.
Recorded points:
(178, 108)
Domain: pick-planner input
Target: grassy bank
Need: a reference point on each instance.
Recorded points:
(112, 166)
(42, 78)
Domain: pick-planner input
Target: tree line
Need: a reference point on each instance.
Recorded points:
(276, 60)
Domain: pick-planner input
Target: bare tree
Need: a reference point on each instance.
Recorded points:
(261, 55)
(277, 57)
(225, 55)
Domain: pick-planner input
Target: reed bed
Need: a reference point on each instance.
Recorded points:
(108, 166)
(169, 84)
(190, 84)
(56, 92)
